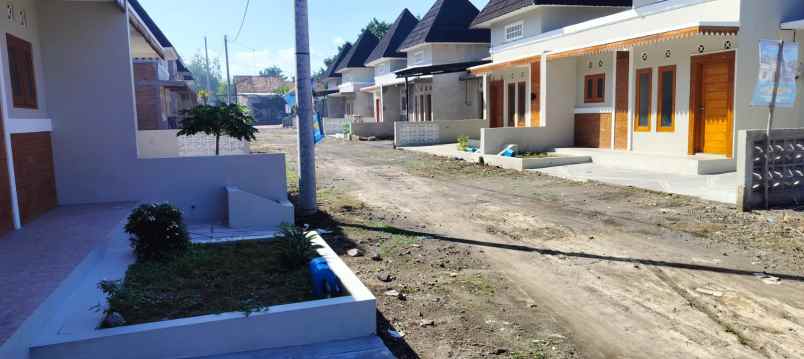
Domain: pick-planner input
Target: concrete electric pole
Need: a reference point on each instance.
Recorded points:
(304, 98)
(228, 77)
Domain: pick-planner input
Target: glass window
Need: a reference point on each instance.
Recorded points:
(667, 94)
(643, 102)
(514, 31)
(594, 88)
(21, 70)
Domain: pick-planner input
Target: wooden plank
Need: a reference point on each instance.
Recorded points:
(621, 102)
(535, 95)
(711, 105)
(35, 174)
(496, 103)
(593, 130)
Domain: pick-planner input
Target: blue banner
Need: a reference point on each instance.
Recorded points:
(768, 61)
(318, 128)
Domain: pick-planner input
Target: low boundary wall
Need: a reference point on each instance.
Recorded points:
(435, 132)
(786, 168)
(165, 144)
(334, 125)
(529, 139)
(380, 130)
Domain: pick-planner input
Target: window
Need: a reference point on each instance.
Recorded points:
(418, 57)
(644, 88)
(514, 31)
(594, 88)
(20, 64)
(667, 99)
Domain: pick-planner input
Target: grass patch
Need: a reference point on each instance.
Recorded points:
(244, 276)
(535, 155)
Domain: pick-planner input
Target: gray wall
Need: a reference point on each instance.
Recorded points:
(94, 132)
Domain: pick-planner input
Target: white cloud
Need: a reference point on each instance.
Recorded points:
(338, 41)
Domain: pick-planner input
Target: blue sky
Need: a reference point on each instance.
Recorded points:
(267, 37)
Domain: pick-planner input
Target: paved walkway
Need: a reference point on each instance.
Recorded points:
(719, 188)
(362, 348)
(35, 259)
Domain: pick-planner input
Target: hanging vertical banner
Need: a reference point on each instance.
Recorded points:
(318, 128)
(768, 61)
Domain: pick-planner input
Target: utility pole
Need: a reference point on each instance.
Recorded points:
(304, 98)
(228, 77)
(209, 87)
(771, 112)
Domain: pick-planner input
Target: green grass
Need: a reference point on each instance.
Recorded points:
(210, 279)
(535, 155)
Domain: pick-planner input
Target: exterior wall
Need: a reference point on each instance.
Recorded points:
(335, 107)
(760, 20)
(436, 132)
(452, 53)
(93, 168)
(387, 67)
(514, 75)
(426, 56)
(682, 51)
(547, 18)
(558, 99)
(360, 104)
(593, 65)
(450, 101)
(391, 103)
(358, 75)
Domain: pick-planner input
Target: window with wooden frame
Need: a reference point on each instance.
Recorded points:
(644, 88)
(21, 70)
(667, 99)
(594, 88)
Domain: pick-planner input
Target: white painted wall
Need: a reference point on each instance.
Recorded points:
(449, 99)
(558, 99)
(593, 65)
(357, 75)
(452, 53)
(514, 75)
(387, 66)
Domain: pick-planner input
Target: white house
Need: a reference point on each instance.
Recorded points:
(666, 79)
(331, 105)
(390, 102)
(355, 76)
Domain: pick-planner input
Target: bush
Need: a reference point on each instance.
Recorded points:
(296, 249)
(463, 143)
(157, 232)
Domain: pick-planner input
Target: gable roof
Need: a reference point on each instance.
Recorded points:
(356, 57)
(398, 32)
(447, 21)
(331, 70)
(498, 8)
(149, 22)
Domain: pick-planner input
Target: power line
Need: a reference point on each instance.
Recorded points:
(243, 21)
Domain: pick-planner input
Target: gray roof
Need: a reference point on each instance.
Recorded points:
(333, 67)
(357, 55)
(398, 32)
(447, 21)
(497, 8)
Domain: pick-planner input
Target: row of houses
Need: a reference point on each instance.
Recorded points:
(88, 90)
(666, 78)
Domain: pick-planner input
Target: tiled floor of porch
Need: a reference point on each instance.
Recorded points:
(36, 259)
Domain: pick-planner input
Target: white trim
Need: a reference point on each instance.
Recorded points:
(12, 177)
(28, 125)
(514, 27)
(793, 25)
(489, 23)
(415, 47)
(585, 110)
(385, 59)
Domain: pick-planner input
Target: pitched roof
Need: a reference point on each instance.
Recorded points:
(389, 45)
(334, 65)
(497, 8)
(160, 36)
(447, 21)
(258, 84)
(356, 57)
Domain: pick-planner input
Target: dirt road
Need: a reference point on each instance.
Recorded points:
(613, 272)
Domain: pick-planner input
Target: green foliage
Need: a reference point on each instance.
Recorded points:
(198, 67)
(158, 232)
(231, 120)
(347, 128)
(377, 27)
(274, 71)
(296, 248)
(463, 143)
(244, 276)
(281, 90)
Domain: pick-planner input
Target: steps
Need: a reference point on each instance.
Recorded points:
(248, 210)
(662, 163)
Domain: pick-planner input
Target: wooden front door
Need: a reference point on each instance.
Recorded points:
(535, 94)
(496, 103)
(377, 110)
(621, 102)
(712, 104)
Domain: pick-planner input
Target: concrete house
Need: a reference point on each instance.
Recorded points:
(163, 83)
(390, 101)
(659, 85)
(355, 76)
(329, 104)
(259, 94)
(439, 50)
(70, 120)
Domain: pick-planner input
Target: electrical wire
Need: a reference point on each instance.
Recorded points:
(243, 21)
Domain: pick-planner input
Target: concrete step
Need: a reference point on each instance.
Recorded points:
(360, 348)
(248, 210)
(654, 162)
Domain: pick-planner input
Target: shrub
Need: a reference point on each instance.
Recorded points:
(296, 249)
(157, 232)
(463, 143)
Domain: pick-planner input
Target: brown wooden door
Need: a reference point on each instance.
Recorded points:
(511, 105)
(621, 102)
(377, 110)
(521, 97)
(713, 100)
(496, 103)
(535, 94)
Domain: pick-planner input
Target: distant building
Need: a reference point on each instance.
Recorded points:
(260, 95)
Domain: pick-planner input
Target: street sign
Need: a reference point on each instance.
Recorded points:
(786, 87)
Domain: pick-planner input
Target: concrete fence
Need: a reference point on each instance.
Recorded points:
(435, 132)
(165, 144)
(380, 130)
(529, 139)
(334, 125)
(785, 168)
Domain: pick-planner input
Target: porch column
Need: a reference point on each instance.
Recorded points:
(613, 95)
(486, 99)
(631, 99)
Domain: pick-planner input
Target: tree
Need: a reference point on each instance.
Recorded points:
(198, 67)
(274, 71)
(231, 120)
(377, 27)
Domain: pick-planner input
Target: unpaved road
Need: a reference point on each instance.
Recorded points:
(623, 273)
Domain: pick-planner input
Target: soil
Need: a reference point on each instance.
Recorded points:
(496, 263)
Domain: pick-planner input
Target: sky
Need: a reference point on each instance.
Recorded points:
(267, 37)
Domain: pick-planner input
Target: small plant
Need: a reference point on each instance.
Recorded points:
(347, 128)
(296, 249)
(157, 232)
(231, 120)
(463, 143)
